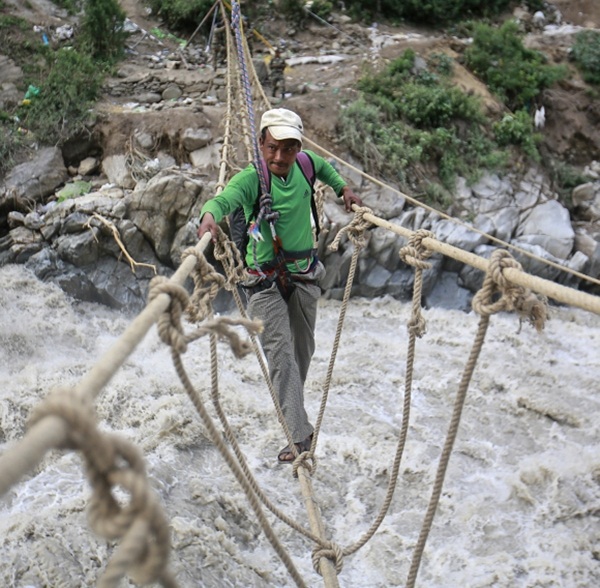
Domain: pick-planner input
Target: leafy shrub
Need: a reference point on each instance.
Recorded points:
(321, 8)
(410, 117)
(428, 107)
(517, 129)
(586, 53)
(181, 14)
(71, 6)
(432, 12)
(11, 143)
(441, 63)
(102, 34)
(62, 106)
(514, 73)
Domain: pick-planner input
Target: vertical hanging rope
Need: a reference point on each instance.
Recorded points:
(235, 25)
(265, 212)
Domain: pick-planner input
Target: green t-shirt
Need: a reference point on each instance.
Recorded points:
(291, 198)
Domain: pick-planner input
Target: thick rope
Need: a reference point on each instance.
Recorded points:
(112, 461)
(218, 329)
(332, 552)
(168, 337)
(356, 233)
(457, 221)
(355, 230)
(512, 297)
(414, 254)
(207, 283)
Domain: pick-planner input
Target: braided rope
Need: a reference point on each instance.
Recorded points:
(265, 212)
(207, 283)
(356, 233)
(355, 230)
(415, 254)
(112, 461)
(332, 552)
(511, 298)
(242, 474)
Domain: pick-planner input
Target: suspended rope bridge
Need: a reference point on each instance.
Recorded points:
(66, 418)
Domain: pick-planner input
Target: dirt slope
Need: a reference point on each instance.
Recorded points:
(570, 111)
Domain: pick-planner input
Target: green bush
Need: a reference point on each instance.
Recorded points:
(181, 14)
(66, 95)
(410, 117)
(433, 12)
(102, 35)
(518, 129)
(434, 106)
(11, 143)
(586, 53)
(514, 73)
(71, 6)
(321, 8)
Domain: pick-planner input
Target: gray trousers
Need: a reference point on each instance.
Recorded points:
(288, 341)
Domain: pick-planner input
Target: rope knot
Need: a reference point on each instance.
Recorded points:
(265, 212)
(355, 230)
(331, 551)
(113, 461)
(207, 283)
(230, 257)
(303, 461)
(414, 252)
(170, 329)
(77, 413)
(499, 294)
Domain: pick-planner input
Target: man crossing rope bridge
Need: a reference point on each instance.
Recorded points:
(283, 294)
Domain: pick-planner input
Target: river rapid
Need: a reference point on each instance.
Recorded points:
(521, 498)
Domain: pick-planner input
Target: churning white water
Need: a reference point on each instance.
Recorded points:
(521, 499)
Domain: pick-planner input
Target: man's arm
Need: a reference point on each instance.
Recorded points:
(350, 198)
(208, 225)
(328, 174)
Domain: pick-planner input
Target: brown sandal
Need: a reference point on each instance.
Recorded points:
(286, 455)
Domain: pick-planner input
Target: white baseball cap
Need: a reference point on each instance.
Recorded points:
(282, 124)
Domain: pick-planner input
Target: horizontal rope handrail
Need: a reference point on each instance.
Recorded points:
(51, 431)
(550, 289)
(455, 220)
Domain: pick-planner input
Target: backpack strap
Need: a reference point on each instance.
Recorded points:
(307, 166)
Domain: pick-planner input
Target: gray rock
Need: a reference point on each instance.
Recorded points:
(118, 173)
(549, 225)
(194, 139)
(162, 208)
(34, 180)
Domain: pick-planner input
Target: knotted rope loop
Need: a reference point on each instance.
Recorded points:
(207, 283)
(355, 230)
(332, 552)
(265, 211)
(66, 404)
(227, 253)
(170, 329)
(113, 461)
(220, 328)
(414, 252)
(511, 297)
(303, 460)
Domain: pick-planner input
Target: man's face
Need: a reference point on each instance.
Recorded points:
(279, 155)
